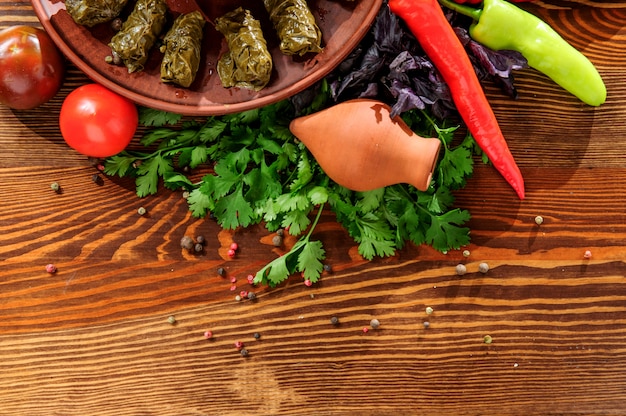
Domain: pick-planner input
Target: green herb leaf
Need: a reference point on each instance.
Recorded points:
(150, 117)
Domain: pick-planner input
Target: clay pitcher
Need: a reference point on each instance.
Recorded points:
(359, 146)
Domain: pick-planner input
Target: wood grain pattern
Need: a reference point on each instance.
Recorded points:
(93, 339)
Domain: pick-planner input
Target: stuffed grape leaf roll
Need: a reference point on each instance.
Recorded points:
(92, 12)
(181, 47)
(295, 25)
(139, 33)
(247, 63)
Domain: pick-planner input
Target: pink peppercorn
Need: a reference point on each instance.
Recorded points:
(308, 282)
(587, 254)
(238, 345)
(243, 293)
(250, 279)
(233, 279)
(231, 253)
(51, 268)
(208, 334)
(365, 330)
(234, 246)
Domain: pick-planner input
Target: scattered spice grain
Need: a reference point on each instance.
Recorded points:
(187, 243)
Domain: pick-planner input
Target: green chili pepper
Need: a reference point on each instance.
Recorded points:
(501, 25)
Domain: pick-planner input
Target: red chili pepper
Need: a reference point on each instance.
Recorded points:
(427, 22)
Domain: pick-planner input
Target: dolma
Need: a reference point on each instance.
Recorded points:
(181, 48)
(247, 63)
(295, 25)
(139, 32)
(92, 12)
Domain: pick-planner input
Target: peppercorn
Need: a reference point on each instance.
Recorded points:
(238, 345)
(231, 253)
(277, 241)
(208, 334)
(334, 320)
(200, 239)
(328, 268)
(426, 324)
(141, 211)
(308, 282)
(198, 248)
(256, 335)
(221, 271)
(280, 232)
(483, 267)
(538, 220)
(243, 352)
(487, 339)
(461, 269)
(251, 296)
(466, 253)
(587, 255)
(429, 310)
(51, 268)
(171, 320)
(375, 323)
(187, 243)
(55, 187)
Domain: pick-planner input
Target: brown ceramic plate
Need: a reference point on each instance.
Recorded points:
(343, 24)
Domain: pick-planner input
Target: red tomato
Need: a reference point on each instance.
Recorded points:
(97, 122)
(31, 67)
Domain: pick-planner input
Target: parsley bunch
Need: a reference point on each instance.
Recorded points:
(259, 172)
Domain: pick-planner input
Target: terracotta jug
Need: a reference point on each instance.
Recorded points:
(359, 146)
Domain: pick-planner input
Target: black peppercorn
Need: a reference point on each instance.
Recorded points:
(187, 243)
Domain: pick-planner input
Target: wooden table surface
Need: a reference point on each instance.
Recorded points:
(94, 338)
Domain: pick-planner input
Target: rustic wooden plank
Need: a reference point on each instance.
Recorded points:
(94, 337)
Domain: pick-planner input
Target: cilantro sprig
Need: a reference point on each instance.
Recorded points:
(259, 172)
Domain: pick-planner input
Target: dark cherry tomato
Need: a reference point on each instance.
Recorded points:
(31, 67)
(96, 121)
